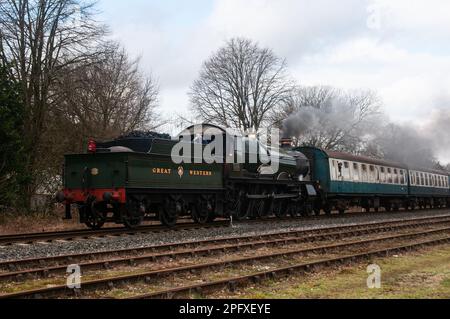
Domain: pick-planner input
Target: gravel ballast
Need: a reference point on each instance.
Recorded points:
(56, 248)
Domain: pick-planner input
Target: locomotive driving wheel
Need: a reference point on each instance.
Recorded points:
(292, 209)
(237, 204)
(280, 208)
(260, 208)
(327, 209)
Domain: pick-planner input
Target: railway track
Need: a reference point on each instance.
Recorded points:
(233, 283)
(439, 230)
(71, 235)
(41, 267)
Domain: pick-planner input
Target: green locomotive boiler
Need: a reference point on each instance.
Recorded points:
(131, 179)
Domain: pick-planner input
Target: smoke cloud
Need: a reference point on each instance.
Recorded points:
(336, 124)
(335, 127)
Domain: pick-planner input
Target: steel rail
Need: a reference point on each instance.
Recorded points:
(7, 240)
(29, 238)
(69, 235)
(292, 238)
(50, 264)
(234, 283)
(147, 276)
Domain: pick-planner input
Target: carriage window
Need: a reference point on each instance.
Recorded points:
(377, 174)
(422, 179)
(395, 176)
(365, 175)
(355, 172)
(346, 171)
(333, 170)
(402, 177)
(371, 173)
(433, 180)
(382, 175)
(428, 180)
(439, 181)
(389, 176)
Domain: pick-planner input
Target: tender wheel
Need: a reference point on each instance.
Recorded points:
(95, 215)
(203, 212)
(168, 215)
(133, 215)
(94, 223)
(132, 222)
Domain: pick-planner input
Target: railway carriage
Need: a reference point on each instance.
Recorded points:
(429, 187)
(347, 180)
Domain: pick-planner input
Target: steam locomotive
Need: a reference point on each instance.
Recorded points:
(132, 179)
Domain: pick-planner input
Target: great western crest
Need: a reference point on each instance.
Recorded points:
(180, 171)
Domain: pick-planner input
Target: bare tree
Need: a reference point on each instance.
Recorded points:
(41, 38)
(108, 96)
(329, 118)
(240, 85)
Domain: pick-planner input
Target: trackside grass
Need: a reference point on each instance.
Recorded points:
(423, 274)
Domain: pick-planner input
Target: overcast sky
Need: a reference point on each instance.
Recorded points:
(399, 48)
